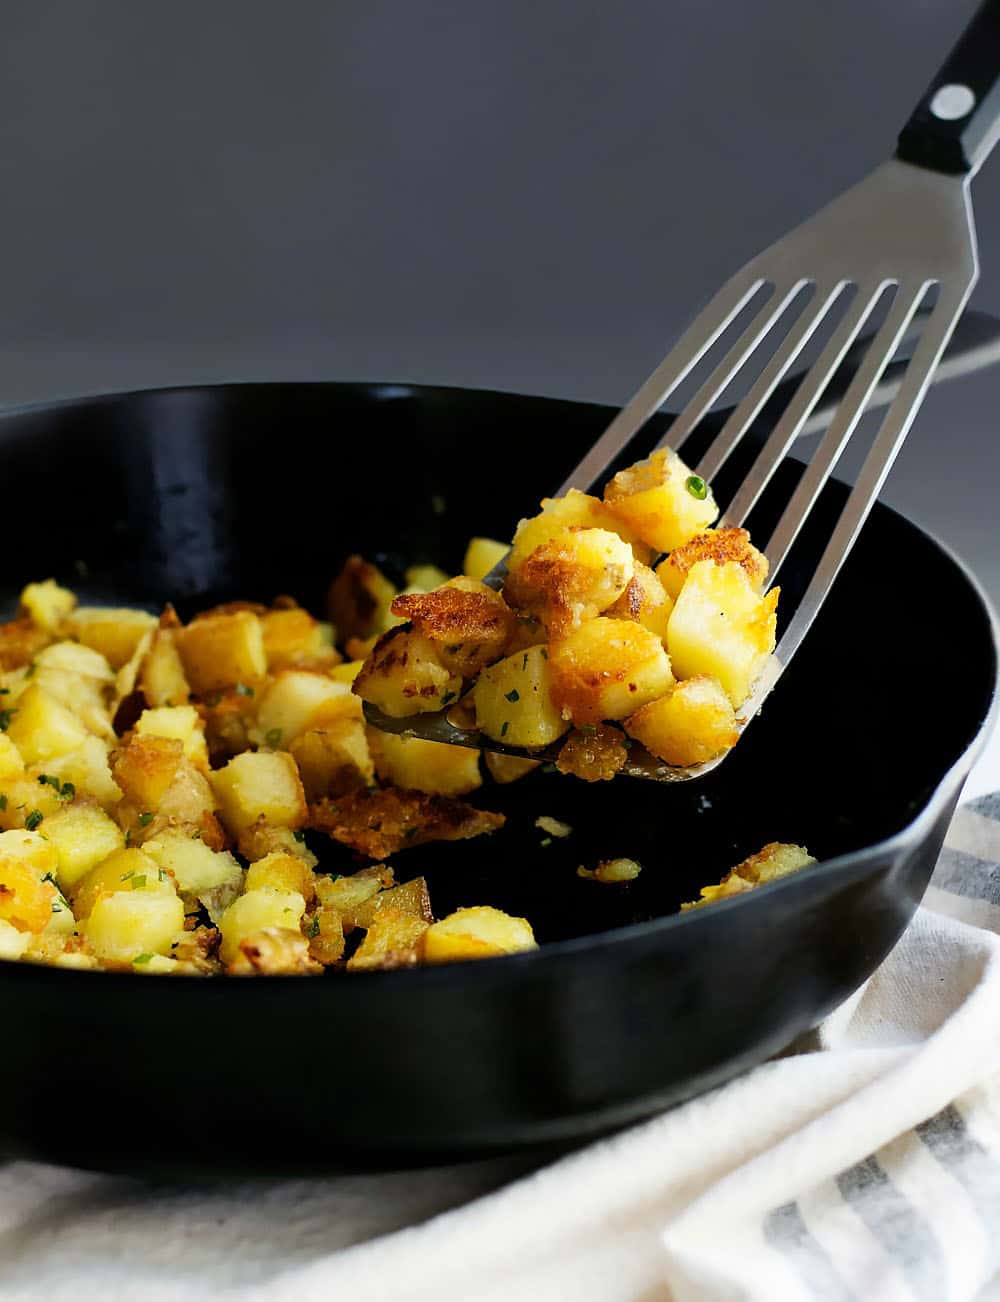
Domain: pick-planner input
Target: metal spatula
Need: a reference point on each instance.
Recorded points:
(900, 241)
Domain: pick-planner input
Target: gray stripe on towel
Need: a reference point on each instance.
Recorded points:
(785, 1229)
(988, 806)
(947, 1138)
(968, 875)
(902, 1231)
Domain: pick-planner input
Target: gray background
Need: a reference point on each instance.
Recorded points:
(526, 196)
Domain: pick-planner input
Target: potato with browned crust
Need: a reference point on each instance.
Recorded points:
(607, 669)
(595, 752)
(661, 500)
(693, 723)
(469, 624)
(570, 578)
(719, 545)
(381, 823)
(404, 675)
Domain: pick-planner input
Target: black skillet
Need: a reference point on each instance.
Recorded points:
(251, 490)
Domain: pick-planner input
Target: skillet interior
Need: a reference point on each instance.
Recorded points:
(205, 494)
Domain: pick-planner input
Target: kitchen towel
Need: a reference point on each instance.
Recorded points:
(862, 1164)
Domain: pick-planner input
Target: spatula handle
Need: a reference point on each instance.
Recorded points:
(957, 121)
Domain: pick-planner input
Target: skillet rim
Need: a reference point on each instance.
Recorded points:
(850, 865)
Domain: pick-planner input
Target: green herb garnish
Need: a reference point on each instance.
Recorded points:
(3, 802)
(5, 718)
(145, 820)
(448, 697)
(30, 671)
(139, 883)
(143, 958)
(503, 730)
(697, 487)
(546, 840)
(524, 661)
(299, 836)
(33, 820)
(273, 737)
(512, 696)
(125, 876)
(545, 654)
(242, 690)
(312, 927)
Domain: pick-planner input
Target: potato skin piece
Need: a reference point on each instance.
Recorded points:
(606, 669)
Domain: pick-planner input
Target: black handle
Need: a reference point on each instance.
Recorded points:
(955, 125)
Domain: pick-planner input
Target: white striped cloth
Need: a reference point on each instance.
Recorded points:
(864, 1165)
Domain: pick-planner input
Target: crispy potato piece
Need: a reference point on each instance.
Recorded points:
(404, 675)
(391, 941)
(662, 500)
(379, 823)
(776, 859)
(83, 836)
(262, 838)
(20, 641)
(720, 545)
(81, 679)
(88, 769)
(255, 911)
(274, 951)
(691, 724)
(359, 599)
(570, 578)
(282, 872)
(145, 768)
(42, 728)
(264, 785)
(476, 933)
(481, 555)
(721, 627)
(645, 601)
(26, 897)
(469, 623)
(334, 759)
(220, 651)
(297, 699)
(612, 871)
(606, 669)
(47, 604)
(508, 768)
(594, 753)
(324, 931)
(574, 511)
(26, 800)
(182, 722)
(410, 897)
(292, 636)
(350, 896)
(428, 766)
(125, 924)
(195, 867)
(228, 718)
(161, 677)
(515, 702)
(115, 633)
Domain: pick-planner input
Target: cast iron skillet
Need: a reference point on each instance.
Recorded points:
(210, 493)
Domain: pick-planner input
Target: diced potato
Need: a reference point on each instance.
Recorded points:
(351, 896)
(411, 897)
(612, 871)
(570, 578)
(776, 859)
(481, 555)
(334, 759)
(89, 771)
(514, 701)
(346, 672)
(161, 679)
(20, 641)
(607, 669)
(469, 624)
(297, 699)
(292, 636)
(691, 724)
(13, 684)
(115, 633)
(47, 604)
(11, 763)
(721, 627)
(182, 722)
(13, 943)
(422, 765)
(425, 578)
(219, 651)
(594, 753)
(404, 675)
(359, 600)
(274, 951)
(282, 872)
(123, 870)
(662, 500)
(256, 911)
(391, 941)
(27, 863)
(128, 923)
(42, 728)
(24, 801)
(508, 768)
(260, 839)
(195, 867)
(145, 768)
(81, 679)
(83, 836)
(325, 933)
(719, 545)
(476, 933)
(262, 784)
(644, 600)
(574, 511)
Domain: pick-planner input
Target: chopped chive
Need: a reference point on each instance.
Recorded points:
(448, 697)
(142, 958)
(546, 840)
(549, 768)
(241, 689)
(125, 876)
(5, 718)
(128, 836)
(161, 875)
(503, 730)
(273, 737)
(33, 820)
(3, 802)
(513, 696)
(4, 691)
(67, 791)
(299, 835)
(312, 926)
(524, 661)
(139, 883)
(30, 672)
(545, 654)
(697, 487)
(145, 820)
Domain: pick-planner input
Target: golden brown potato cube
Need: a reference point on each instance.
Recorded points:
(47, 604)
(571, 578)
(719, 545)
(325, 933)
(123, 870)
(26, 896)
(645, 601)
(515, 703)
(348, 894)
(89, 770)
(359, 600)
(776, 859)
(607, 669)
(476, 933)
(291, 636)
(42, 728)
(182, 722)
(691, 724)
(145, 768)
(282, 872)
(410, 897)
(220, 651)
(481, 555)
(115, 633)
(83, 836)
(79, 678)
(574, 511)
(297, 699)
(333, 759)
(26, 801)
(261, 784)
(391, 941)
(195, 867)
(720, 626)
(11, 763)
(161, 678)
(274, 951)
(404, 675)
(508, 768)
(260, 839)
(662, 500)
(255, 911)
(20, 641)
(125, 924)
(469, 623)
(424, 765)
(594, 753)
